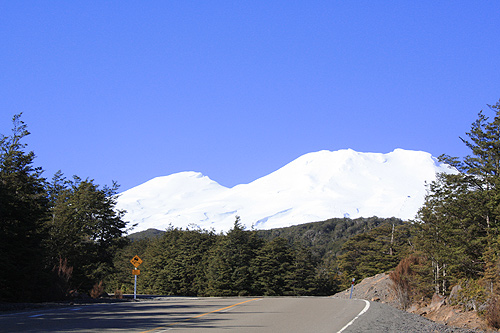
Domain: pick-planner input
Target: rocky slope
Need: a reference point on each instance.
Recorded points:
(445, 317)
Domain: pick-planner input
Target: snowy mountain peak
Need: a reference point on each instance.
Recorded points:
(314, 187)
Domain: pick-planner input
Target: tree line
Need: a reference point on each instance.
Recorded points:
(456, 237)
(56, 236)
(203, 263)
(318, 258)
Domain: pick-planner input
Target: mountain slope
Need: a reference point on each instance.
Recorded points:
(314, 187)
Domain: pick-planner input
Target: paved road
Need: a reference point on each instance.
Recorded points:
(280, 314)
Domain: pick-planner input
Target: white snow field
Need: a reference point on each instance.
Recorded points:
(314, 187)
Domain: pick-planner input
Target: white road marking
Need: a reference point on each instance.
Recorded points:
(367, 306)
(37, 315)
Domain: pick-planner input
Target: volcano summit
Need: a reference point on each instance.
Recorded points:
(314, 187)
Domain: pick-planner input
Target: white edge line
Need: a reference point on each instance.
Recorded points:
(37, 315)
(367, 306)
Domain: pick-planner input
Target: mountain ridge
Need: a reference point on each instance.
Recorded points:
(314, 187)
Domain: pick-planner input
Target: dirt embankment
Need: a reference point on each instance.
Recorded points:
(378, 289)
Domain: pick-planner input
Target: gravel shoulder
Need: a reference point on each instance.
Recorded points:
(384, 315)
(384, 318)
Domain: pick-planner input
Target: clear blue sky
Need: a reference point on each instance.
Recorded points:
(132, 90)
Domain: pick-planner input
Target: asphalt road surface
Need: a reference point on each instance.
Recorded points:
(268, 314)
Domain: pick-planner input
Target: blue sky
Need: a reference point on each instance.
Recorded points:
(132, 90)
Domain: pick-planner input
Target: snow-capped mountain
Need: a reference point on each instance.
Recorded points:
(314, 187)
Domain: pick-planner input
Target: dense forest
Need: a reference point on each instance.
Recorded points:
(60, 237)
(297, 260)
(456, 234)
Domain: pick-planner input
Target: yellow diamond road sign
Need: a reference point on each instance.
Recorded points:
(136, 261)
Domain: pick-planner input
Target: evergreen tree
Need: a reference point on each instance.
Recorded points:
(452, 231)
(373, 252)
(301, 278)
(230, 259)
(459, 223)
(174, 264)
(23, 210)
(85, 228)
(270, 267)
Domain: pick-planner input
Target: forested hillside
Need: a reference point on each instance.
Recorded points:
(145, 234)
(327, 237)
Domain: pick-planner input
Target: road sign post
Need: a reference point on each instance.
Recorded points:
(136, 261)
(135, 287)
(352, 287)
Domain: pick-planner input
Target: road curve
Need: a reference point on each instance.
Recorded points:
(264, 314)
